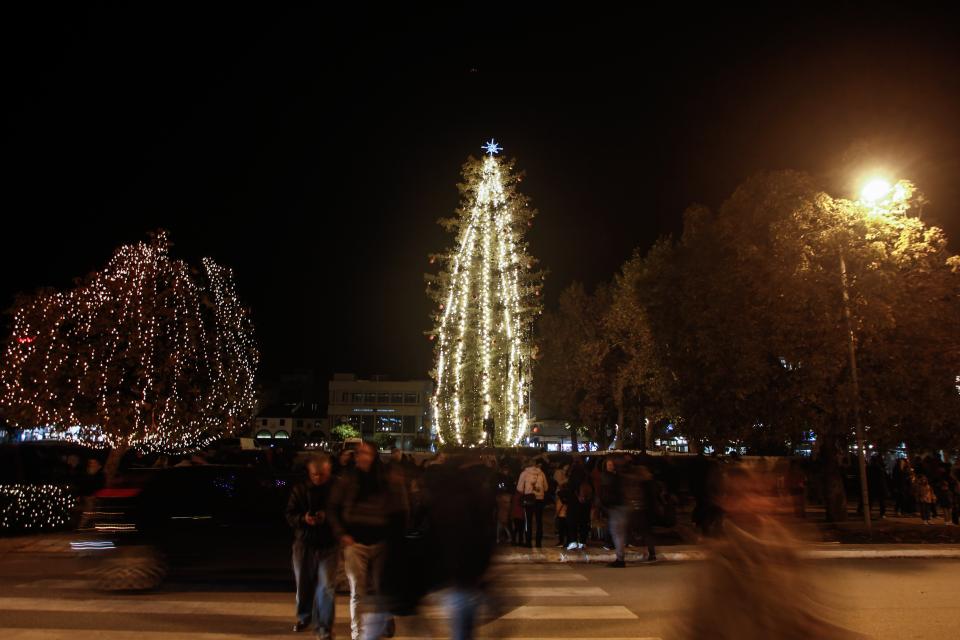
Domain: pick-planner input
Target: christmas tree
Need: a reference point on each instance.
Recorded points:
(487, 295)
(147, 352)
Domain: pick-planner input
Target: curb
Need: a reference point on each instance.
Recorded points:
(687, 555)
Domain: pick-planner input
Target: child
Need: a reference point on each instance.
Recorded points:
(925, 497)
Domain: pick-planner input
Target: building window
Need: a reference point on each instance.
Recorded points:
(264, 422)
(396, 398)
(282, 421)
(345, 397)
(383, 398)
(281, 435)
(299, 424)
(366, 424)
(409, 424)
(264, 435)
(389, 424)
(410, 398)
(358, 398)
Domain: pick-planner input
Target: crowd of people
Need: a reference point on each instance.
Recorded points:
(926, 486)
(401, 530)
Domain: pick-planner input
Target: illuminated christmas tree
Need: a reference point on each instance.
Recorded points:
(487, 295)
(146, 353)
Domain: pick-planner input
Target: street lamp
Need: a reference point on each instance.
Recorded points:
(879, 197)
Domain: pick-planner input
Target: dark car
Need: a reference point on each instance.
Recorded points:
(205, 520)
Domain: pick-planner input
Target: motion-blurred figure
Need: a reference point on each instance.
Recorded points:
(754, 585)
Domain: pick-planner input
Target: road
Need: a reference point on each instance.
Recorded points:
(47, 598)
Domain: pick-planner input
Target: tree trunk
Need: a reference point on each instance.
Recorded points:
(573, 437)
(834, 493)
(112, 464)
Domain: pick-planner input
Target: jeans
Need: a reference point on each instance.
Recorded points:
(360, 562)
(315, 573)
(619, 529)
(463, 603)
(535, 510)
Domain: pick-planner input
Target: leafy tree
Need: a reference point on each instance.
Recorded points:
(147, 352)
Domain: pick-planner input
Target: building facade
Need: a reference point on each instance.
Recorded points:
(400, 408)
(297, 421)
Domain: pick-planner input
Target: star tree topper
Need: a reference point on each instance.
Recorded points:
(492, 147)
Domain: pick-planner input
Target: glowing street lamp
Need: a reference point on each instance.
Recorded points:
(878, 196)
(875, 190)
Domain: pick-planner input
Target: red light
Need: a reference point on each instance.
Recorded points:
(536, 429)
(25, 339)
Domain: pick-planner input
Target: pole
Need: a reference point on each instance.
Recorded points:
(852, 349)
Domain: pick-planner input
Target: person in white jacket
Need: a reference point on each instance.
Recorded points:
(532, 485)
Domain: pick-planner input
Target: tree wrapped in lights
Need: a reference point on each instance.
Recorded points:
(146, 353)
(487, 295)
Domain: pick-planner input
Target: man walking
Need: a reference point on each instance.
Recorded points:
(314, 549)
(363, 512)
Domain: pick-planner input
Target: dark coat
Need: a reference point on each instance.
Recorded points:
(309, 498)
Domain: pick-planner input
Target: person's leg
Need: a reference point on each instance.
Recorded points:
(538, 512)
(618, 528)
(305, 579)
(323, 611)
(463, 603)
(356, 565)
(562, 531)
(528, 528)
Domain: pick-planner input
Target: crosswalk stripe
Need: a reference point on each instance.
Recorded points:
(97, 634)
(554, 592)
(579, 612)
(284, 610)
(548, 577)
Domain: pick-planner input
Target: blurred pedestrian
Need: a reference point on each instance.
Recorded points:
(314, 549)
(361, 511)
(611, 498)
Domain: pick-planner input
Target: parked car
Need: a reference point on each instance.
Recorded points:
(207, 519)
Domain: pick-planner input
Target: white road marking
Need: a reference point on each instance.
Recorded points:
(546, 577)
(9, 633)
(580, 612)
(553, 592)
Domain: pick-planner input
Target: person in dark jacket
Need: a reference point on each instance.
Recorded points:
(364, 514)
(611, 499)
(314, 549)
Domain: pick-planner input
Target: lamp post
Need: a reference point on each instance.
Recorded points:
(855, 380)
(879, 196)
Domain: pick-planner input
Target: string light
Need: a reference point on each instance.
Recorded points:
(488, 298)
(147, 353)
(28, 507)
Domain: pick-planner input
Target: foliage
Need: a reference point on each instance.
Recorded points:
(343, 431)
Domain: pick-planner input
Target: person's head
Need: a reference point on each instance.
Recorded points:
(345, 457)
(366, 454)
(610, 464)
(396, 455)
(318, 469)
(93, 466)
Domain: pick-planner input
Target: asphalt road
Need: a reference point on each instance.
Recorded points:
(51, 597)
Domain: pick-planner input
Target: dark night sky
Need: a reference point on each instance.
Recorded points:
(313, 153)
